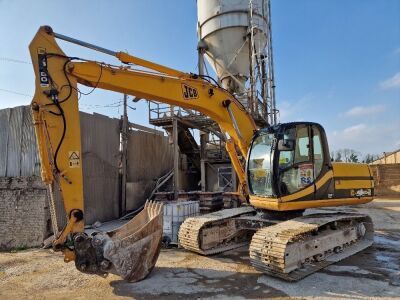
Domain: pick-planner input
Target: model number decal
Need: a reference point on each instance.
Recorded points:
(361, 193)
(189, 92)
(43, 72)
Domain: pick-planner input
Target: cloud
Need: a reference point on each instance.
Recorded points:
(366, 138)
(354, 131)
(391, 83)
(364, 110)
(294, 110)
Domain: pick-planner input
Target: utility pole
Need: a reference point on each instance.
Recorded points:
(201, 49)
(271, 68)
(124, 159)
(176, 157)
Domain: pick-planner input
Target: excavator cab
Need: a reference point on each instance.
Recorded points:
(289, 168)
(287, 158)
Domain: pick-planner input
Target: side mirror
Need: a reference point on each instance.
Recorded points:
(286, 145)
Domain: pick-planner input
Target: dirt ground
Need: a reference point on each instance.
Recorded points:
(375, 272)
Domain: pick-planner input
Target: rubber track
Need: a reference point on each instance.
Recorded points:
(268, 245)
(190, 230)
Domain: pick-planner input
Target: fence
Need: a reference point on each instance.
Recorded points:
(388, 158)
(18, 155)
(100, 149)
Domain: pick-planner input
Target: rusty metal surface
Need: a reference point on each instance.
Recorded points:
(133, 249)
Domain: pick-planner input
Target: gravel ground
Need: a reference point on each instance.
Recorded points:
(375, 272)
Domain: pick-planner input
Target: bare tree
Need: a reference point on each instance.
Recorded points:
(336, 156)
(346, 155)
(353, 158)
(369, 158)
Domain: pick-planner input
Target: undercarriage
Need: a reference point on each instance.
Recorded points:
(290, 249)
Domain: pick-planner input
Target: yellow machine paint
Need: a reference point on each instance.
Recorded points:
(49, 132)
(346, 176)
(57, 126)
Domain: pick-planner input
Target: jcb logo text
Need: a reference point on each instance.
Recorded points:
(189, 92)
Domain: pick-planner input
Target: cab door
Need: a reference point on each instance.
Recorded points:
(295, 163)
(323, 182)
(302, 161)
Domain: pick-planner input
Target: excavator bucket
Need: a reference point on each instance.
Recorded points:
(130, 251)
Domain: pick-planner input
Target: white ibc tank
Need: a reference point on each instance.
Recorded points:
(223, 27)
(175, 212)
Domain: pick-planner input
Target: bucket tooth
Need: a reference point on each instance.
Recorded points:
(130, 251)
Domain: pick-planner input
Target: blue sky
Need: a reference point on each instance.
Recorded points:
(337, 62)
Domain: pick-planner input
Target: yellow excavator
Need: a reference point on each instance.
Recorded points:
(282, 170)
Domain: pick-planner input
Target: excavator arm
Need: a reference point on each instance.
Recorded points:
(56, 120)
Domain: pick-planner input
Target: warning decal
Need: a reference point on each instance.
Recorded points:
(74, 159)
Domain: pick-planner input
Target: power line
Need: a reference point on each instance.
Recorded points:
(114, 104)
(15, 93)
(109, 105)
(13, 60)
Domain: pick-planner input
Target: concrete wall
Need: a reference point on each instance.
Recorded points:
(24, 214)
(387, 180)
(149, 157)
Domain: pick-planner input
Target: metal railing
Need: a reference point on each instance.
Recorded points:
(159, 110)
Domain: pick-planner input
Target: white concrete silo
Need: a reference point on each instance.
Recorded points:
(224, 29)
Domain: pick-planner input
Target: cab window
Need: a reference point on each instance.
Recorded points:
(260, 165)
(302, 145)
(317, 150)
